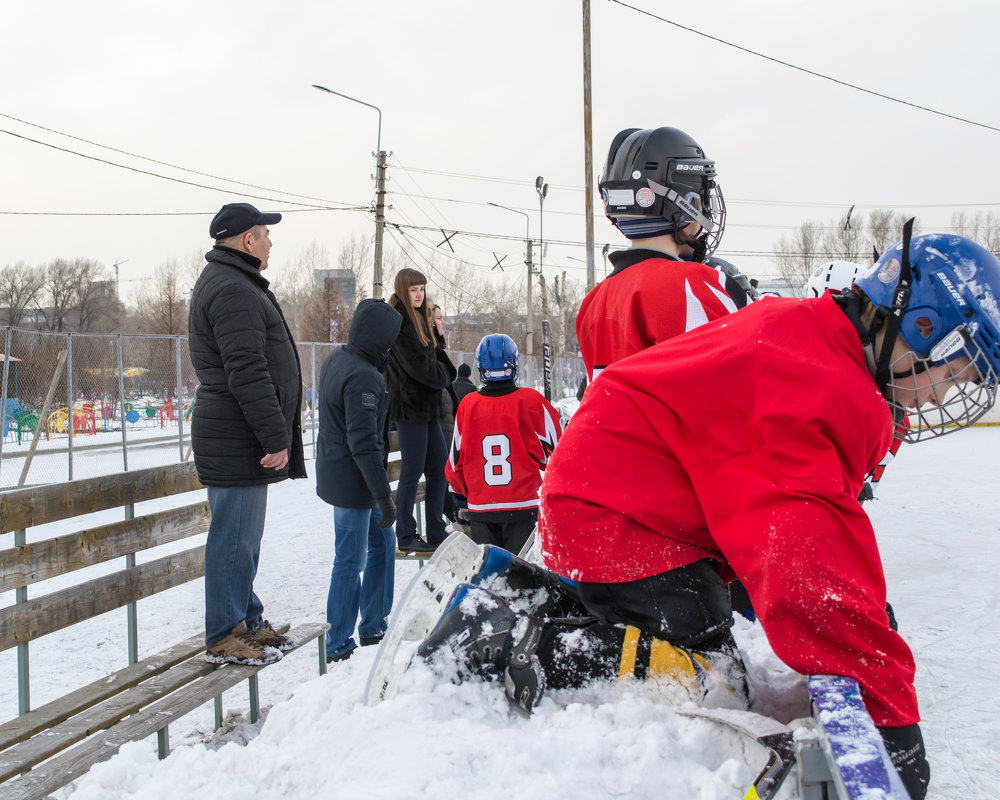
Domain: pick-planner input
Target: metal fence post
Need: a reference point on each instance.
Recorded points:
(313, 403)
(7, 418)
(121, 401)
(179, 403)
(69, 404)
(23, 679)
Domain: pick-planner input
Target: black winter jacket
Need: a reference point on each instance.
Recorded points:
(250, 384)
(415, 376)
(350, 452)
(462, 387)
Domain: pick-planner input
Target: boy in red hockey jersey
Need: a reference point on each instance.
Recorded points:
(503, 438)
(740, 448)
(659, 190)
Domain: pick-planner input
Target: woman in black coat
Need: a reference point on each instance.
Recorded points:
(417, 371)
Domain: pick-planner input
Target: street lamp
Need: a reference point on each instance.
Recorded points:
(543, 189)
(530, 325)
(379, 189)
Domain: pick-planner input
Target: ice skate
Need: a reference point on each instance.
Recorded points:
(481, 636)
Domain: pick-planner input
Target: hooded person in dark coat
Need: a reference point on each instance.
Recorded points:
(245, 431)
(463, 384)
(351, 476)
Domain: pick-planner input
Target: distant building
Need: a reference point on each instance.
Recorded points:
(340, 280)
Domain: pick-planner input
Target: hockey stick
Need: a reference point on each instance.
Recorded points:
(859, 765)
(546, 360)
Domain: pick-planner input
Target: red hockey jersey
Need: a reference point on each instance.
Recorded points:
(746, 442)
(501, 441)
(648, 299)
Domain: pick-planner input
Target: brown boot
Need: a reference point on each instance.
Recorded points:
(239, 647)
(269, 637)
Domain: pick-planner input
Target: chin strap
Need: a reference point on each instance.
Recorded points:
(894, 319)
(850, 303)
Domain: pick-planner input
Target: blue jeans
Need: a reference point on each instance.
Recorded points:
(422, 451)
(360, 546)
(231, 556)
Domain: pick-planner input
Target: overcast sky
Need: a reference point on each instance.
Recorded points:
(477, 99)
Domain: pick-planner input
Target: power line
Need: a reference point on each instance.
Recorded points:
(162, 163)
(162, 213)
(729, 200)
(807, 71)
(155, 174)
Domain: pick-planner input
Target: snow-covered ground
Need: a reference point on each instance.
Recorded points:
(937, 521)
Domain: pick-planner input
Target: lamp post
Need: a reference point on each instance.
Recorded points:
(529, 344)
(379, 190)
(543, 189)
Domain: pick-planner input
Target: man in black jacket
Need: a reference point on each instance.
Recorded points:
(245, 431)
(351, 476)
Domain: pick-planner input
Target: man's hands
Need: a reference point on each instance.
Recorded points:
(275, 460)
(387, 510)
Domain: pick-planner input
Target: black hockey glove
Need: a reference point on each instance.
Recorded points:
(892, 617)
(388, 509)
(906, 749)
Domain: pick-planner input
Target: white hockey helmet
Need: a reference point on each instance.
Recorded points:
(835, 275)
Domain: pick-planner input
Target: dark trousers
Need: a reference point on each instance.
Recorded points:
(422, 452)
(510, 534)
(687, 607)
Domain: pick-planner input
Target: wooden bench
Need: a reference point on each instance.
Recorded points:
(61, 740)
(393, 473)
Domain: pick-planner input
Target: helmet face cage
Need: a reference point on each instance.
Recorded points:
(960, 398)
(953, 311)
(496, 357)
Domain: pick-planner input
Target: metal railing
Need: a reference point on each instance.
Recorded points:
(79, 405)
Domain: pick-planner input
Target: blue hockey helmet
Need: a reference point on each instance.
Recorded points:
(496, 357)
(941, 294)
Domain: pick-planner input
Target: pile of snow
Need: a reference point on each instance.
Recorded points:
(936, 521)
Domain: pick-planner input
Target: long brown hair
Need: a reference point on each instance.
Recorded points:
(422, 318)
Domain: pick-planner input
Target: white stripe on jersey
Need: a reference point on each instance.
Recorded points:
(695, 310)
(503, 506)
(724, 298)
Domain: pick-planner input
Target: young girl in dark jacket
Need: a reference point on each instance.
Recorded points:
(417, 371)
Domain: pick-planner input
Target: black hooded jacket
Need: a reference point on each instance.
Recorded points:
(250, 384)
(415, 375)
(350, 452)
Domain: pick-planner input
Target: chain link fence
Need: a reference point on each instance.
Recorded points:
(78, 405)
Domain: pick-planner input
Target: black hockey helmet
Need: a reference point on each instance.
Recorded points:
(730, 270)
(662, 173)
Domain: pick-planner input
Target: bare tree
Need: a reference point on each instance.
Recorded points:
(325, 318)
(20, 287)
(294, 283)
(162, 302)
(77, 295)
(567, 296)
(885, 228)
(355, 255)
(799, 254)
(845, 240)
(982, 228)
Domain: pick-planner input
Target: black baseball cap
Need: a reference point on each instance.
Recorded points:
(235, 218)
